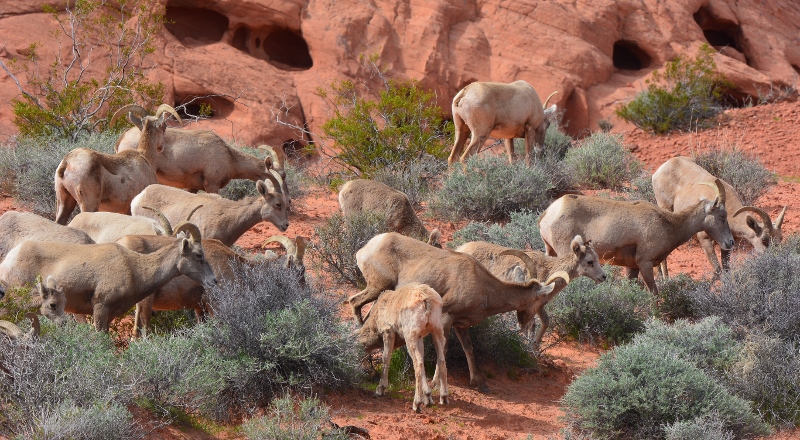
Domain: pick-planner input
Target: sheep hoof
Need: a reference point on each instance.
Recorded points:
(444, 400)
(380, 391)
(416, 407)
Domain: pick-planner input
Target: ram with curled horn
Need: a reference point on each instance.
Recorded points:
(499, 110)
(108, 182)
(503, 263)
(199, 160)
(680, 180)
(13, 332)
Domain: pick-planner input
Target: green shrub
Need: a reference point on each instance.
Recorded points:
(674, 298)
(279, 335)
(706, 427)
(687, 94)
(758, 294)
(296, 180)
(415, 178)
(99, 421)
(602, 161)
(638, 389)
(640, 188)
(27, 167)
(488, 187)
(556, 143)
(521, 232)
(748, 176)
(767, 373)
(402, 125)
(289, 420)
(612, 311)
(335, 243)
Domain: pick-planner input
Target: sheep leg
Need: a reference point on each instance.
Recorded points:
(646, 269)
(210, 187)
(462, 131)
(100, 318)
(439, 342)
(663, 269)
(545, 322)
(361, 299)
(707, 244)
(474, 145)
(435, 381)
(476, 378)
(422, 392)
(388, 346)
(509, 143)
(526, 322)
(65, 205)
(142, 315)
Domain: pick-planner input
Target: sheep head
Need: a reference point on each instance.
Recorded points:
(588, 263)
(193, 261)
(715, 222)
(153, 127)
(275, 209)
(51, 299)
(766, 232)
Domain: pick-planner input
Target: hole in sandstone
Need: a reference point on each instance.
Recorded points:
(719, 33)
(195, 26)
(628, 56)
(210, 107)
(258, 42)
(240, 38)
(287, 50)
(796, 68)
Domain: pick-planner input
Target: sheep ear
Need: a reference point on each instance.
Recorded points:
(518, 274)
(50, 283)
(751, 223)
(577, 245)
(262, 188)
(135, 120)
(550, 111)
(185, 246)
(268, 163)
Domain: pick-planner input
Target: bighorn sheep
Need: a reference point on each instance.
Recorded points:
(406, 316)
(637, 235)
(199, 159)
(499, 110)
(470, 293)
(677, 183)
(16, 227)
(106, 280)
(502, 263)
(108, 182)
(185, 293)
(223, 219)
(13, 332)
(369, 195)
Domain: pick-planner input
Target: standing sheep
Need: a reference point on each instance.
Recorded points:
(361, 195)
(406, 316)
(499, 110)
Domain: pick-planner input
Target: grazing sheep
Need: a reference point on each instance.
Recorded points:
(406, 316)
(108, 182)
(106, 280)
(678, 182)
(13, 332)
(16, 227)
(499, 110)
(222, 219)
(504, 262)
(470, 293)
(637, 235)
(361, 195)
(199, 159)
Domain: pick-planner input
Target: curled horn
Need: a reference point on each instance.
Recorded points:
(130, 108)
(162, 219)
(275, 183)
(277, 154)
(287, 244)
(10, 329)
(530, 266)
(191, 228)
(167, 108)
(548, 99)
(718, 188)
(559, 274)
(35, 325)
(764, 217)
(301, 249)
(779, 220)
(189, 217)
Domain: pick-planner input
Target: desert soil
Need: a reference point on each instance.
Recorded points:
(529, 403)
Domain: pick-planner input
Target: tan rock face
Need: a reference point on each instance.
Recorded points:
(269, 56)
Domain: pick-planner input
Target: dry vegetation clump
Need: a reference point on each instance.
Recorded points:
(521, 232)
(602, 161)
(745, 173)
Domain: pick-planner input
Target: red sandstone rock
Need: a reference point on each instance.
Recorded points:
(273, 55)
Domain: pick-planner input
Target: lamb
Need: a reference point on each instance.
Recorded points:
(16, 227)
(676, 183)
(501, 262)
(470, 293)
(499, 110)
(199, 159)
(223, 219)
(361, 195)
(106, 280)
(406, 316)
(13, 332)
(108, 182)
(637, 235)
(183, 292)
(108, 227)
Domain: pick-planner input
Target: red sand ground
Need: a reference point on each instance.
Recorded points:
(529, 403)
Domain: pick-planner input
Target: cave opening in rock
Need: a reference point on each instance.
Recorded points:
(718, 32)
(205, 107)
(240, 38)
(287, 50)
(796, 68)
(195, 26)
(628, 56)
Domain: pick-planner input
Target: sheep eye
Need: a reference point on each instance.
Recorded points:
(590, 263)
